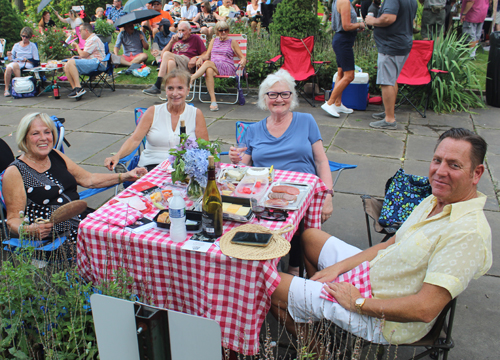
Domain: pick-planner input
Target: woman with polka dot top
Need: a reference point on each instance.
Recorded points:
(42, 179)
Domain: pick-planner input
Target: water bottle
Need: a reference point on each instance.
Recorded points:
(177, 210)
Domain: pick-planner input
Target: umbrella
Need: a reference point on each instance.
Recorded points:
(134, 4)
(136, 17)
(43, 4)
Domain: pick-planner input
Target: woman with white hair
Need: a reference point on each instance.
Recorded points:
(42, 179)
(218, 60)
(288, 140)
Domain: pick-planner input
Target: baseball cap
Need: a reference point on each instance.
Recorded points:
(164, 22)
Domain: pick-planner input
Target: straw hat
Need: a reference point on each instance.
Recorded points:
(277, 247)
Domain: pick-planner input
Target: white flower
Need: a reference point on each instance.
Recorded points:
(21, 214)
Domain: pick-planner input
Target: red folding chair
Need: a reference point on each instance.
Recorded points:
(416, 74)
(297, 57)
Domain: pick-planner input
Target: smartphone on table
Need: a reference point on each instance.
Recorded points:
(250, 238)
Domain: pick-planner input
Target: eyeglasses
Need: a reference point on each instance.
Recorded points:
(274, 214)
(223, 30)
(283, 94)
(202, 6)
(25, 36)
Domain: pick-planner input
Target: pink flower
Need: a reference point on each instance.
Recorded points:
(50, 47)
(64, 28)
(45, 29)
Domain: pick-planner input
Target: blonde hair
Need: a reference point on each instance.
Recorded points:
(99, 9)
(283, 77)
(24, 127)
(183, 75)
(222, 24)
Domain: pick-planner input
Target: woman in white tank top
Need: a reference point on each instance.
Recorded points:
(160, 124)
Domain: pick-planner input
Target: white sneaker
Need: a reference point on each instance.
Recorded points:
(330, 109)
(343, 109)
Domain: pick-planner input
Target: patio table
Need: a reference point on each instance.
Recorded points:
(235, 293)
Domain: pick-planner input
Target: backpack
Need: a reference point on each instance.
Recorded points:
(23, 87)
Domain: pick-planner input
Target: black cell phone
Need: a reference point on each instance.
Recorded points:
(249, 238)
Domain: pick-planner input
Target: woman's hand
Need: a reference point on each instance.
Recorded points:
(327, 274)
(39, 230)
(235, 155)
(345, 293)
(111, 162)
(361, 26)
(199, 62)
(135, 174)
(327, 209)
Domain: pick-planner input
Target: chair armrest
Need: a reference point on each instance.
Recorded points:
(274, 59)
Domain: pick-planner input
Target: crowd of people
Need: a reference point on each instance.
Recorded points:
(413, 275)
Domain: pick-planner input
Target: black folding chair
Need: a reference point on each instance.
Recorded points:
(98, 79)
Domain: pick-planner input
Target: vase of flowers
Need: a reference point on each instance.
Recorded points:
(190, 162)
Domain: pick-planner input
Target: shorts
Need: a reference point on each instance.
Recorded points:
(181, 62)
(389, 68)
(22, 65)
(473, 30)
(432, 23)
(130, 57)
(305, 304)
(342, 44)
(85, 66)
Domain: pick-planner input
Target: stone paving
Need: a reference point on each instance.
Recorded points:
(97, 127)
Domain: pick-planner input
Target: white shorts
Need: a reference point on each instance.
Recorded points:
(305, 304)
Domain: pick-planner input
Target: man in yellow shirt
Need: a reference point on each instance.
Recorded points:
(444, 243)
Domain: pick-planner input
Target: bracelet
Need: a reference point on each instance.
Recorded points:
(119, 178)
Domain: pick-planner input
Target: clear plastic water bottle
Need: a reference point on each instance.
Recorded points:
(177, 210)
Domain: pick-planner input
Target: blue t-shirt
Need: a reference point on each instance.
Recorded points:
(290, 151)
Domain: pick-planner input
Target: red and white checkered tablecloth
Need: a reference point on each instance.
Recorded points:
(235, 293)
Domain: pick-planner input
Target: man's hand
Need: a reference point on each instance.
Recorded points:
(345, 293)
(142, 37)
(192, 62)
(370, 20)
(155, 52)
(199, 62)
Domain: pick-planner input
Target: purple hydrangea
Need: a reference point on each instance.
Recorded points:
(196, 164)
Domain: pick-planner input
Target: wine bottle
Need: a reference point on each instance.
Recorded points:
(212, 205)
(183, 127)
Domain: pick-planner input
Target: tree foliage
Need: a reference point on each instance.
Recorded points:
(63, 7)
(295, 18)
(10, 24)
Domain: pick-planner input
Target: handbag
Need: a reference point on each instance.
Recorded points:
(403, 193)
(23, 87)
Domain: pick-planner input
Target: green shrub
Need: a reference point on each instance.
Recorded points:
(63, 6)
(10, 24)
(104, 28)
(294, 18)
(50, 46)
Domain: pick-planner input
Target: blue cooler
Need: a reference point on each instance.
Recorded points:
(355, 96)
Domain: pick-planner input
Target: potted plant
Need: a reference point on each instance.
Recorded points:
(104, 30)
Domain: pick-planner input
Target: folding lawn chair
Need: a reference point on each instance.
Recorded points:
(99, 79)
(242, 41)
(297, 59)
(417, 74)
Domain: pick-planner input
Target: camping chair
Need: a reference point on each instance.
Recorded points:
(416, 73)
(242, 41)
(99, 79)
(297, 59)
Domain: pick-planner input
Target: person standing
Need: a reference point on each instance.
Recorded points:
(393, 35)
(433, 18)
(346, 26)
(472, 16)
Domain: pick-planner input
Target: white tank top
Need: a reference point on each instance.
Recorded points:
(161, 138)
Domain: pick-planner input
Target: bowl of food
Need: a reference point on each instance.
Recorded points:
(193, 220)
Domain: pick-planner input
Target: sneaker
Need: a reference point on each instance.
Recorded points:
(382, 124)
(379, 116)
(72, 94)
(152, 90)
(163, 98)
(330, 109)
(343, 109)
(80, 92)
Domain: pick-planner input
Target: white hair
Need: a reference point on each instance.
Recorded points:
(282, 76)
(184, 22)
(24, 127)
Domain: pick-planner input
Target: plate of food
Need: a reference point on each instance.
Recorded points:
(232, 174)
(236, 209)
(289, 196)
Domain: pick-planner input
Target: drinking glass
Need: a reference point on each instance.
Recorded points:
(257, 208)
(240, 148)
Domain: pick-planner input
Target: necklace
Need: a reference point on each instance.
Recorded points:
(37, 162)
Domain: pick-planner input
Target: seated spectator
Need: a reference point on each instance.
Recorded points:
(153, 23)
(74, 19)
(224, 10)
(254, 13)
(440, 248)
(182, 52)
(24, 55)
(205, 17)
(188, 11)
(86, 61)
(175, 10)
(45, 22)
(218, 60)
(134, 42)
(43, 179)
(99, 14)
(160, 124)
(116, 11)
(162, 38)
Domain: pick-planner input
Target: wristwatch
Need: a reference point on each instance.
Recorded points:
(359, 304)
(330, 191)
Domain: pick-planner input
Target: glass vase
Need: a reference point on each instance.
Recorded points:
(194, 190)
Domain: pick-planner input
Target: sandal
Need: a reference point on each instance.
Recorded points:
(7, 94)
(214, 107)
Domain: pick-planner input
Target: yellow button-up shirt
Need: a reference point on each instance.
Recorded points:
(447, 250)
